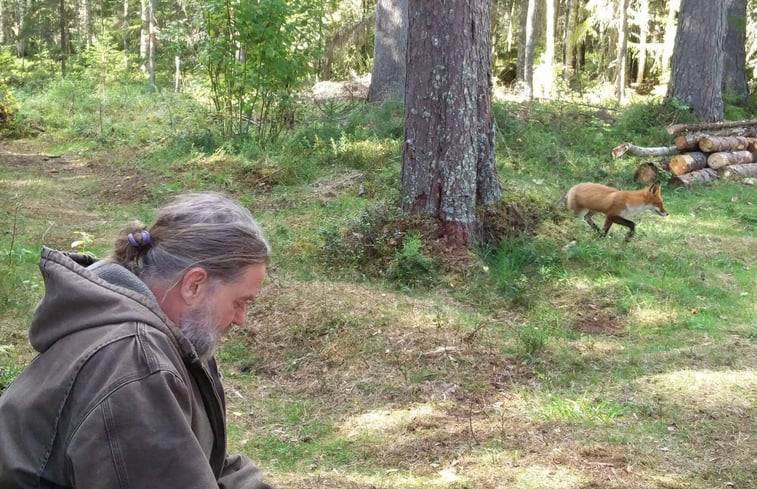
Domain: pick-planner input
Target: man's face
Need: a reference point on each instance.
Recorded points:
(224, 305)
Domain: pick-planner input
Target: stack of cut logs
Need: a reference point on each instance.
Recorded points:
(706, 158)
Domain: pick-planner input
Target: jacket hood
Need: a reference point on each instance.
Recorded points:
(78, 298)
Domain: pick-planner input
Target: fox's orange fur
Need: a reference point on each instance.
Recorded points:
(586, 199)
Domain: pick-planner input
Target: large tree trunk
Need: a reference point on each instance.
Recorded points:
(734, 70)
(698, 58)
(389, 51)
(448, 158)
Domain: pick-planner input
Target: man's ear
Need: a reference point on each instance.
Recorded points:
(194, 285)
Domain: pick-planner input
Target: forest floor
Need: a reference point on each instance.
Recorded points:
(356, 385)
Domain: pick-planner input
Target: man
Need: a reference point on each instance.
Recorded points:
(125, 392)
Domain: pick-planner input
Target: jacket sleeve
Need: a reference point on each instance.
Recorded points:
(240, 473)
(140, 436)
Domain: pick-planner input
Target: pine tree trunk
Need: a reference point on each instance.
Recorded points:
(568, 44)
(734, 70)
(143, 37)
(620, 88)
(448, 158)
(643, 34)
(151, 43)
(389, 51)
(698, 58)
(549, 52)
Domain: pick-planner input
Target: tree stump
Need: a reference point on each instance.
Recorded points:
(719, 160)
(646, 173)
(688, 162)
(738, 172)
(686, 180)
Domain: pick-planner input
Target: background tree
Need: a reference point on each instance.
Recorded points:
(445, 111)
(622, 48)
(697, 66)
(734, 69)
(389, 51)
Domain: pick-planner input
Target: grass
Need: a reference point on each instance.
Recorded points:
(553, 359)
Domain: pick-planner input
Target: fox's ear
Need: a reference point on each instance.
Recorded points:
(655, 188)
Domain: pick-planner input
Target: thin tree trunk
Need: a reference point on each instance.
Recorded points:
(126, 34)
(568, 43)
(143, 37)
(643, 35)
(151, 44)
(21, 37)
(2, 22)
(622, 51)
(669, 40)
(528, 50)
(549, 52)
(63, 37)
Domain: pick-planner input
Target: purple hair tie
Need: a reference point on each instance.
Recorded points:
(145, 239)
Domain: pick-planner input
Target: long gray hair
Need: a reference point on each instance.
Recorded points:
(206, 230)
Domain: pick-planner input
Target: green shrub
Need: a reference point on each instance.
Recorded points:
(412, 267)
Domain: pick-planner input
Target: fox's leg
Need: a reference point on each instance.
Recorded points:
(623, 222)
(587, 218)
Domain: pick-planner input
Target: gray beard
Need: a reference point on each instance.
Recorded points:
(198, 328)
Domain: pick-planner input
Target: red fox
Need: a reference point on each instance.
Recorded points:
(587, 198)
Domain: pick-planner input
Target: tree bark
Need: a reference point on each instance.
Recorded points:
(719, 160)
(634, 150)
(676, 128)
(688, 163)
(706, 175)
(711, 144)
(389, 52)
(734, 70)
(646, 173)
(529, 46)
(568, 43)
(643, 33)
(620, 86)
(738, 172)
(151, 43)
(549, 52)
(688, 142)
(448, 156)
(698, 57)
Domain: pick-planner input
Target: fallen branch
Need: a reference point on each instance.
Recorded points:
(634, 150)
(676, 128)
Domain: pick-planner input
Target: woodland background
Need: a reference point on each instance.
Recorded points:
(540, 357)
